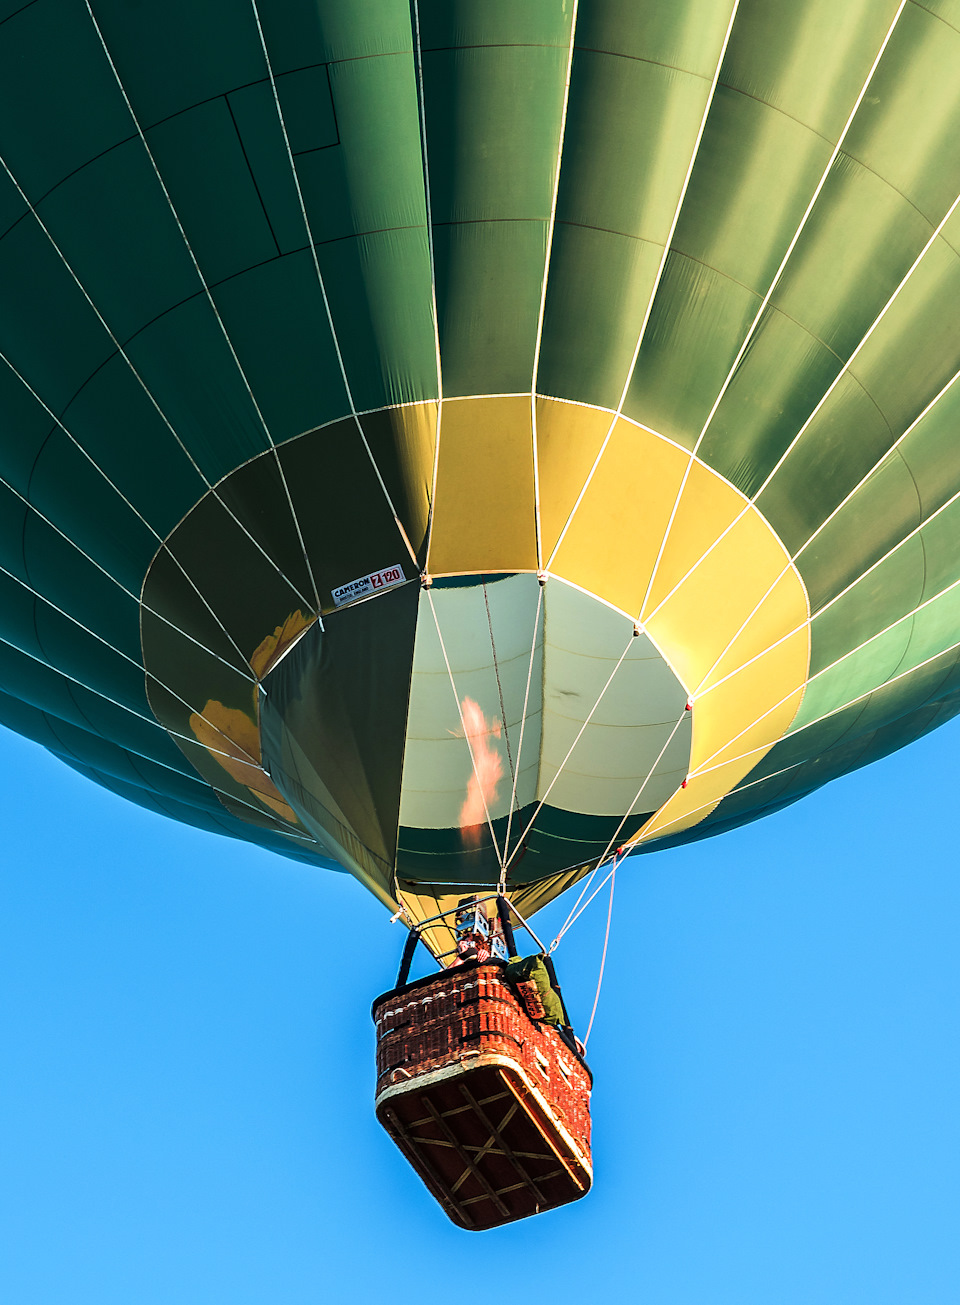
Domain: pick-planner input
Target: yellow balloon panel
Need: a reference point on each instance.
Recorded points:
(705, 789)
(569, 439)
(484, 517)
(757, 700)
(706, 508)
(721, 599)
(703, 615)
(777, 610)
(614, 538)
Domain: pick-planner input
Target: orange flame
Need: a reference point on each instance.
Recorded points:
(487, 770)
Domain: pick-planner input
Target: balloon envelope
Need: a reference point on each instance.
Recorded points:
(451, 441)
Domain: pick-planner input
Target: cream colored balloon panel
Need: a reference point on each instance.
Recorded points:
(472, 665)
(615, 737)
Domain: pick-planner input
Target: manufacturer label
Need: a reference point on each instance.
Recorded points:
(368, 584)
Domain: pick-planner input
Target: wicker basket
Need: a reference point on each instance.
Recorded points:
(491, 1108)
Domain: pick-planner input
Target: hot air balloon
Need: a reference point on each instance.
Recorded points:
(461, 443)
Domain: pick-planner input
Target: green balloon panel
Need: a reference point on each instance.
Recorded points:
(236, 237)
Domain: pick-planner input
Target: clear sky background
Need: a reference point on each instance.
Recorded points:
(186, 1067)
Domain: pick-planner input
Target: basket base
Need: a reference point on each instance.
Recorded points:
(485, 1140)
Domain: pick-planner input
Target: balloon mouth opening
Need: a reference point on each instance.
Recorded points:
(493, 708)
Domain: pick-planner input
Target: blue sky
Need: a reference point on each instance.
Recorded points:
(186, 1094)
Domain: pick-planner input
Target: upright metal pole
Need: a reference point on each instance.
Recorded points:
(406, 960)
(503, 911)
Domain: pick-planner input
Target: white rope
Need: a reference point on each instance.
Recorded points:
(323, 289)
(704, 767)
(650, 773)
(428, 203)
(216, 312)
(761, 311)
(132, 661)
(130, 751)
(583, 892)
(620, 852)
(547, 258)
(648, 616)
(523, 724)
(123, 498)
(580, 732)
(212, 489)
(603, 958)
(496, 672)
(574, 918)
(32, 507)
(667, 247)
(463, 726)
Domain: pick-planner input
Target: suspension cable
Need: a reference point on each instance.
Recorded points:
(583, 892)
(603, 958)
(576, 914)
